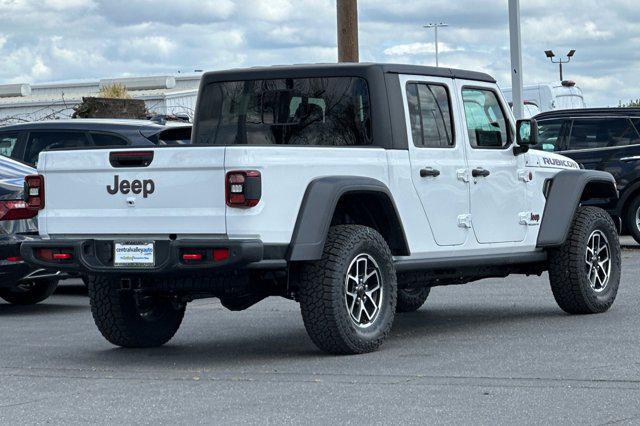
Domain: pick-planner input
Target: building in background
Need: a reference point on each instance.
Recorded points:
(163, 95)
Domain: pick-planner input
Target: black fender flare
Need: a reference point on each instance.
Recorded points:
(317, 209)
(626, 196)
(565, 192)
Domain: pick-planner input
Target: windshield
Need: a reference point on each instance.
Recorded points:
(306, 111)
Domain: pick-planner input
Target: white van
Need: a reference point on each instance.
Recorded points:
(548, 97)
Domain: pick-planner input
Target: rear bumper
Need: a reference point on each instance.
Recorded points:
(14, 272)
(96, 256)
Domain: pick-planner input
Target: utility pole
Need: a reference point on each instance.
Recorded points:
(435, 27)
(516, 58)
(348, 50)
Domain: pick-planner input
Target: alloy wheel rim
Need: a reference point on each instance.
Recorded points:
(598, 261)
(638, 219)
(363, 290)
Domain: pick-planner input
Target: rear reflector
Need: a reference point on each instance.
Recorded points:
(192, 256)
(51, 255)
(14, 210)
(34, 191)
(220, 254)
(243, 188)
(14, 259)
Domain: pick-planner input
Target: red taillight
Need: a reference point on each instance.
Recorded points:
(220, 254)
(34, 191)
(14, 259)
(14, 210)
(243, 188)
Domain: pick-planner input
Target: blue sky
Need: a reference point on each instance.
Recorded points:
(61, 40)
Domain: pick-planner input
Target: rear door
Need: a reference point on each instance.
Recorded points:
(609, 144)
(161, 191)
(438, 165)
(42, 140)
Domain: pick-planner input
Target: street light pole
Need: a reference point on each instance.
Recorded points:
(552, 55)
(435, 27)
(516, 59)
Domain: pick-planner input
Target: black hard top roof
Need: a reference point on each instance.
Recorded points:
(589, 112)
(340, 69)
(89, 124)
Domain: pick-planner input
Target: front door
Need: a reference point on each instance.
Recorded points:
(498, 196)
(437, 157)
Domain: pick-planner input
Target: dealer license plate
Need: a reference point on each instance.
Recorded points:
(136, 254)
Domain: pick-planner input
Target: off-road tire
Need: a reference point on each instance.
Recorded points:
(322, 292)
(30, 293)
(117, 315)
(412, 299)
(630, 219)
(567, 274)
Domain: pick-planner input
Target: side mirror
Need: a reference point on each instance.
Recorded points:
(526, 135)
(527, 132)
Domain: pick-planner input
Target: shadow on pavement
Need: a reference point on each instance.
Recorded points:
(44, 308)
(291, 341)
(72, 290)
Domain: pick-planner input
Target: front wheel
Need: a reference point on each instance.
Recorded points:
(584, 272)
(632, 219)
(132, 320)
(29, 293)
(348, 297)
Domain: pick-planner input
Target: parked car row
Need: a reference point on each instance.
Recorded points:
(20, 147)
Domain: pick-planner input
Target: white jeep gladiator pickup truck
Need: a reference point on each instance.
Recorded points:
(351, 189)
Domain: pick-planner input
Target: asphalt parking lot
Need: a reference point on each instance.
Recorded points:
(497, 351)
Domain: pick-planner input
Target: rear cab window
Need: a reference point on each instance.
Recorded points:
(331, 111)
(107, 139)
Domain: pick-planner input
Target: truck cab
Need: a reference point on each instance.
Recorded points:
(352, 189)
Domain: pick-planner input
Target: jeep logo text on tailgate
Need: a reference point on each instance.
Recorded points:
(146, 187)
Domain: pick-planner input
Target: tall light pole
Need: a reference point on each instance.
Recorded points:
(515, 45)
(348, 31)
(552, 55)
(435, 27)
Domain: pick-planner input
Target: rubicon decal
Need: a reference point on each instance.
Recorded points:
(557, 162)
(146, 186)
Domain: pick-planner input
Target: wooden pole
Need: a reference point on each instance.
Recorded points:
(348, 31)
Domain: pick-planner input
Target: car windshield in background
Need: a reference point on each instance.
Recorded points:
(307, 111)
(548, 134)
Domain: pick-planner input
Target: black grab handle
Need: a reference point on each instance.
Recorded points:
(130, 158)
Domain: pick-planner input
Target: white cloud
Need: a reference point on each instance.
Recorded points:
(44, 40)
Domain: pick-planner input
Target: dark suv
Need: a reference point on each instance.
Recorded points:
(602, 139)
(24, 142)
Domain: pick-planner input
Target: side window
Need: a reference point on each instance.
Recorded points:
(40, 141)
(602, 133)
(8, 142)
(487, 124)
(108, 139)
(549, 132)
(430, 114)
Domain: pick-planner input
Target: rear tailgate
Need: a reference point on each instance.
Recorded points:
(181, 191)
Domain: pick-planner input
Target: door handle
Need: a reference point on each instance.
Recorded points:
(429, 172)
(480, 172)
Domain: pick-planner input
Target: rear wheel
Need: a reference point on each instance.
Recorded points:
(132, 320)
(29, 293)
(585, 271)
(632, 219)
(348, 297)
(412, 299)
